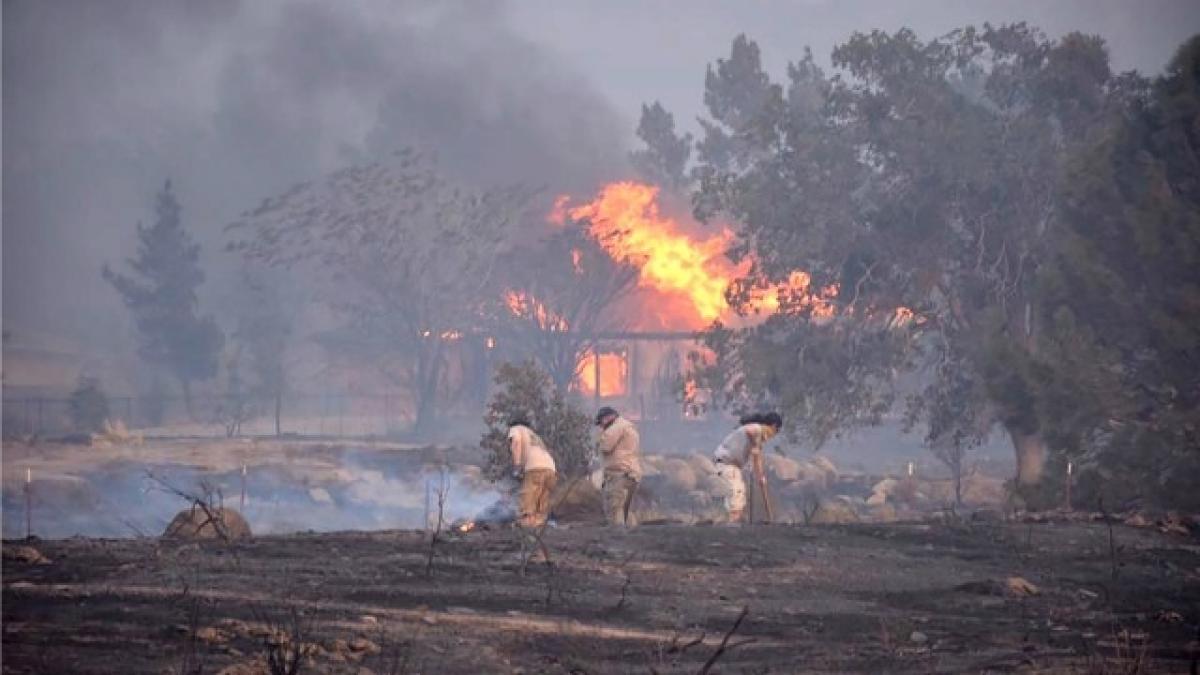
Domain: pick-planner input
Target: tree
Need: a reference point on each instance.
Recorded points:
(160, 292)
(263, 332)
(1125, 287)
(561, 295)
(89, 405)
(404, 258)
(664, 159)
(236, 405)
(921, 183)
(525, 389)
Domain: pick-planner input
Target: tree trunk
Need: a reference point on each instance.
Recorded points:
(428, 377)
(278, 411)
(1031, 456)
(186, 386)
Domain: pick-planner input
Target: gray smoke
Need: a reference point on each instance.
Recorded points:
(238, 100)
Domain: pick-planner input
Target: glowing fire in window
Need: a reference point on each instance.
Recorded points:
(614, 374)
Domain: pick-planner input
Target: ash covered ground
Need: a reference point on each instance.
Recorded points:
(902, 586)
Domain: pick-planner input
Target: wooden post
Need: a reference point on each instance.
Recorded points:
(28, 502)
(1070, 468)
(426, 505)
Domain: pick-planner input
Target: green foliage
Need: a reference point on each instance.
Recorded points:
(1038, 214)
(160, 292)
(526, 389)
(922, 176)
(88, 405)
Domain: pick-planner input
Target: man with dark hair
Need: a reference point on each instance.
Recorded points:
(534, 464)
(620, 449)
(741, 450)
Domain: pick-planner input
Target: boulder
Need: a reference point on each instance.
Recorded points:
(577, 501)
(884, 513)
(25, 554)
(835, 511)
(825, 465)
(783, 468)
(679, 474)
(702, 464)
(195, 523)
(881, 491)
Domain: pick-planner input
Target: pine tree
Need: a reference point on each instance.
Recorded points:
(160, 292)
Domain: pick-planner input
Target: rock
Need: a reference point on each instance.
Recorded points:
(362, 644)
(834, 511)
(1137, 520)
(255, 667)
(1019, 587)
(679, 474)
(429, 619)
(824, 464)
(577, 501)
(211, 635)
(918, 637)
(884, 513)
(783, 468)
(368, 619)
(25, 554)
(881, 491)
(195, 523)
(703, 465)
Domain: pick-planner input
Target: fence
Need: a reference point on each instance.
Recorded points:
(304, 414)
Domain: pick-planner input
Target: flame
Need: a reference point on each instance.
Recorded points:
(614, 371)
(626, 220)
(525, 305)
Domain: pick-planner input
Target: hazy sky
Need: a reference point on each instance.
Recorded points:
(237, 99)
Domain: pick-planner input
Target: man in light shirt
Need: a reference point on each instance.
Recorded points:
(533, 462)
(742, 450)
(620, 449)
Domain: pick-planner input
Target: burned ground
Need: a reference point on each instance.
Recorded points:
(870, 597)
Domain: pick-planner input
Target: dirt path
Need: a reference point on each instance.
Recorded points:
(866, 598)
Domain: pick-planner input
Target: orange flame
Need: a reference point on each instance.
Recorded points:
(526, 306)
(614, 371)
(626, 220)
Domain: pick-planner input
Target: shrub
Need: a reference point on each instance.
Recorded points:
(525, 388)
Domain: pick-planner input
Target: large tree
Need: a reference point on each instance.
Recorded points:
(921, 181)
(406, 259)
(1124, 294)
(160, 292)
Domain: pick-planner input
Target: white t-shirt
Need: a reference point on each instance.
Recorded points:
(529, 452)
(741, 445)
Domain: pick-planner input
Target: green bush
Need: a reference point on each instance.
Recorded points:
(524, 388)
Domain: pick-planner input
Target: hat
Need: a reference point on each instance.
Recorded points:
(605, 412)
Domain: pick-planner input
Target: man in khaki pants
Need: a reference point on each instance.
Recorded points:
(533, 462)
(620, 448)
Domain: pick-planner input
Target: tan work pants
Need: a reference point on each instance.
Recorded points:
(618, 488)
(535, 497)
